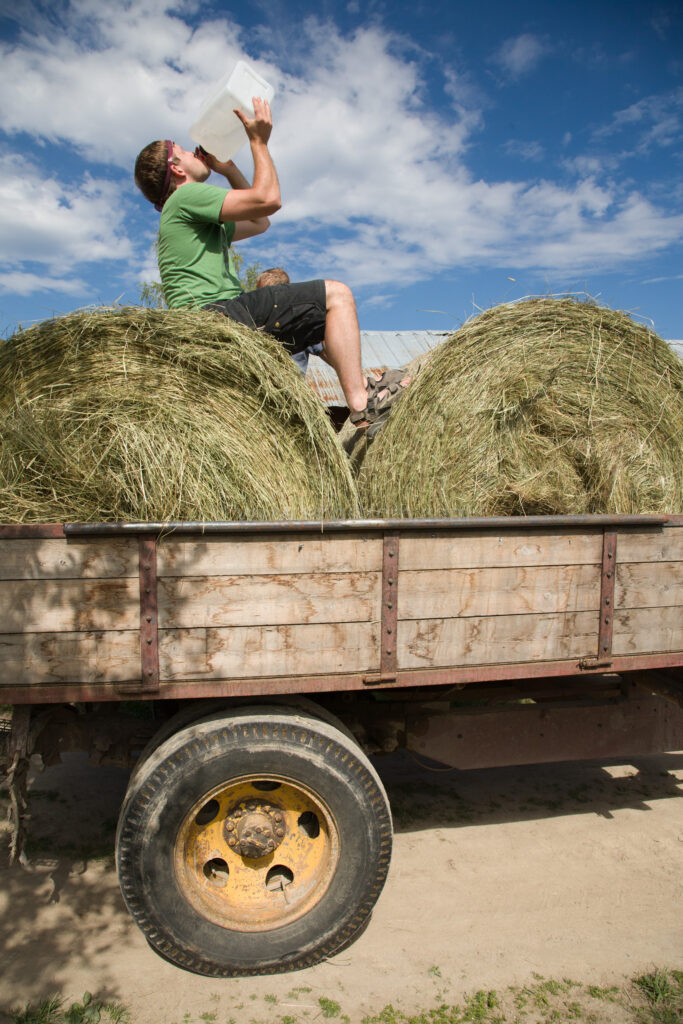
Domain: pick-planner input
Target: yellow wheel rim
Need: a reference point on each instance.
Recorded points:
(256, 853)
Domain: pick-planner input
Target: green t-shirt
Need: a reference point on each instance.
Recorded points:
(195, 259)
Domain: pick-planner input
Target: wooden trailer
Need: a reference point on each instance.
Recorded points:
(256, 835)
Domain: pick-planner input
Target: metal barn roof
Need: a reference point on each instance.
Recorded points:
(381, 350)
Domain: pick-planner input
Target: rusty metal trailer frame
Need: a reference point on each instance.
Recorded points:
(389, 677)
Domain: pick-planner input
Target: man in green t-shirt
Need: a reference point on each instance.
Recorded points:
(199, 223)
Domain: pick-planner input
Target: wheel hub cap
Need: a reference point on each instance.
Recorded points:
(254, 828)
(253, 862)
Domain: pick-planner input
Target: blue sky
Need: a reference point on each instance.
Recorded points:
(439, 157)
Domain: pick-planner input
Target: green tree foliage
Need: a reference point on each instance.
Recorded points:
(152, 295)
(246, 272)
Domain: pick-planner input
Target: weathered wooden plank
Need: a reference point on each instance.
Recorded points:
(102, 558)
(32, 659)
(663, 545)
(501, 638)
(647, 630)
(649, 584)
(267, 554)
(484, 548)
(246, 651)
(45, 606)
(268, 600)
(498, 591)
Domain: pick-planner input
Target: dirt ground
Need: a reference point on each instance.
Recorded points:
(498, 876)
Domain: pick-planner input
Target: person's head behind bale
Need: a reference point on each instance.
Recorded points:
(275, 275)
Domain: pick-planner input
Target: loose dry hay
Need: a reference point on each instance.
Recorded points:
(356, 443)
(142, 414)
(547, 406)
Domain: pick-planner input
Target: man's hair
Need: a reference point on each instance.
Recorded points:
(150, 172)
(276, 275)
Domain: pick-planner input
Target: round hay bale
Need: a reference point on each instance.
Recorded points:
(546, 406)
(135, 414)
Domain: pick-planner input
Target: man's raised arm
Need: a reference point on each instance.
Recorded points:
(251, 205)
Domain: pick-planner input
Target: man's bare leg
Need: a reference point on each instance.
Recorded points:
(342, 344)
(341, 349)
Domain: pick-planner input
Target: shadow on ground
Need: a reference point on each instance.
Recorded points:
(59, 910)
(424, 794)
(66, 912)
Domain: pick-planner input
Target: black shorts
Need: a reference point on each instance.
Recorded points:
(295, 314)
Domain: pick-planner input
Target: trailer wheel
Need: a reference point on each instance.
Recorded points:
(255, 841)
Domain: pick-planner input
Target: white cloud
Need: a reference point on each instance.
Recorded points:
(22, 283)
(589, 166)
(654, 121)
(520, 54)
(661, 280)
(661, 23)
(112, 75)
(376, 184)
(525, 150)
(379, 301)
(56, 223)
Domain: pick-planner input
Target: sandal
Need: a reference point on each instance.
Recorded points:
(368, 419)
(391, 381)
(382, 394)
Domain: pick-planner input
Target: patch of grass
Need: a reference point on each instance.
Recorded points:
(610, 994)
(663, 991)
(47, 1012)
(294, 993)
(89, 1011)
(480, 1006)
(329, 1007)
(655, 998)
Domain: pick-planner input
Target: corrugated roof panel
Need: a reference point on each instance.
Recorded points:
(381, 350)
(391, 349)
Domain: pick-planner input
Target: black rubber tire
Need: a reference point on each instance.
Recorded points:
(255, 741)
(201, 709)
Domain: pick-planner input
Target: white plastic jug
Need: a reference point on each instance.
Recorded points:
(217, 128)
